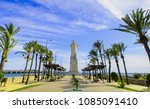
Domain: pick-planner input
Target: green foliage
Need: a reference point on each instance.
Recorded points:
(52, 79)
(75, 82)
(148, 80)
(137, 76)
(114, 76)
(121, 84)
(1, 76)
(143, 77)
(99, 75)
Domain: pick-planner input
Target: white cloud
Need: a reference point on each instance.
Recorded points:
(89, 25)
(134, 63)
(120, 7)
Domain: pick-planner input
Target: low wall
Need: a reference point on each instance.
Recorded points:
(136, 81)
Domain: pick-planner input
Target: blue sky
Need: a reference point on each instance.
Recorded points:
(62, 21)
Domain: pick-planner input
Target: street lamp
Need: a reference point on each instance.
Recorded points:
(47, 42)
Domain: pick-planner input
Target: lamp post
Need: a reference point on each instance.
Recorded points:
(47, 43)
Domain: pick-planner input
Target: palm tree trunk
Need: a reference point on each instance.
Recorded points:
(4, 57)
(100, 52)
(2, 65)
(101, 56)
(39, 68)
(105, 61)
(147, 50)
(125, 69)
(51, 73)
(117, 64)
(30, 68)
(109, 71)
(35, 76)
(25, 69)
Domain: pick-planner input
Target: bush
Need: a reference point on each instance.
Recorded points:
(1, 76)
(148, 80)
(96, 79)
(75, 82)
(137, 76)
(99, 75)
(52, 79)
(122, 84)
(114, 76)
(143, 77)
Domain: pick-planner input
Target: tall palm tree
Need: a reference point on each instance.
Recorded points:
(93, 60)
(138, 23)
(36, 49)
(98, 46)
(26, 54)
(49, 59)
(33, 44)
(121, 48)
(108, 55)
(115, 54)
(42, 51)
(49, 56)
(7, 42)
(93, 54)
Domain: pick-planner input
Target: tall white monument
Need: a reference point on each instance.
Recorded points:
(73, 59)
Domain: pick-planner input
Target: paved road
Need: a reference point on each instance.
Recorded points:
(65, 85)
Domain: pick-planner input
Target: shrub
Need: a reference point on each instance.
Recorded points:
(1, 76)
(137, 76)
(75, 82)
(52, 79)
(114, 76)
(143, 77)
(148, 80)
(99, 75)
(96, 79)
(122, 84)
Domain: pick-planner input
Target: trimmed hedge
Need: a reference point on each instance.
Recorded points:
(114, 76)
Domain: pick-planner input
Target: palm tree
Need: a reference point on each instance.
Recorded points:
(36, 59)
(93, 60)
(93, 54)
(138, 23)
(42, 51)
(98, 45)
(49, 59)
(49, 56)
(108, 55)
(26, 54)
(121, 48)
(115, 54)
(7, 42)
(33, 44)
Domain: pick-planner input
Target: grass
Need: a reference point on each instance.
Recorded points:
(26, 87)
(126, 88)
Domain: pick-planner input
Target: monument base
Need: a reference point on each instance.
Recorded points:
(71, 73)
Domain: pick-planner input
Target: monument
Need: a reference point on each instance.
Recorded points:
(73, 59)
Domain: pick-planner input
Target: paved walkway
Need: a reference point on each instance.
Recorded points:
(64, 85)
